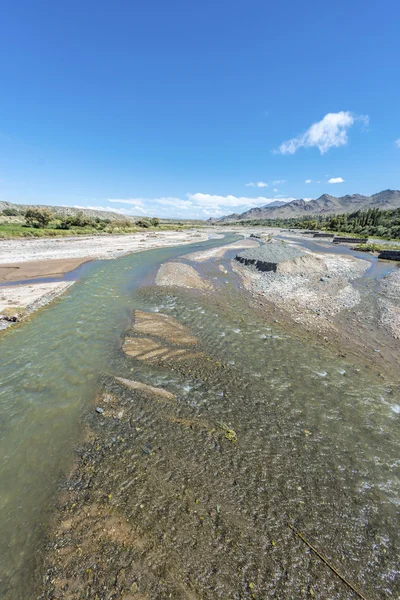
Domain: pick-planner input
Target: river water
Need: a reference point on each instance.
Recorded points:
(317, 436)
(49, 370)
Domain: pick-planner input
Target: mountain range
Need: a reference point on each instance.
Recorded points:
(324, 205)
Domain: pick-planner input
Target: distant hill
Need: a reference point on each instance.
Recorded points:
(63, 211)
(324, 205)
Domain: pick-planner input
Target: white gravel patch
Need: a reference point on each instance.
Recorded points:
(344, 266)
(312, 297)
(107, 246)
(390, 285)
(390, 317)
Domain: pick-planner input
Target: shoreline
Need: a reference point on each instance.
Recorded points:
(11, 273)
(26, 260)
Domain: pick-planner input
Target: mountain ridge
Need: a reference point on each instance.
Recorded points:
(324, 205)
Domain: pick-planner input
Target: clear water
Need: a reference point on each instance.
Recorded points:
(318, 437)
(49, 371)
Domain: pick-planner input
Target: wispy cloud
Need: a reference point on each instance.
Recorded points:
(136, 201)
(330, 132)
(308, 181)
(335, 180)
(259, 184)
(278, 181)
(213, 200)
(397, 143)
(198, 204)
(120, 211)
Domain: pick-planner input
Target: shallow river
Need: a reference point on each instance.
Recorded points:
(317, 436)
(49, 370)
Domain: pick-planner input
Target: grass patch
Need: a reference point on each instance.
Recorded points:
(19, 230)
(376, 247)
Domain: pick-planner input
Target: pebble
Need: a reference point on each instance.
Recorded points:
(99, 410)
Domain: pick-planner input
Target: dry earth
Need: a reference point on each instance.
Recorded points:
(38, 268)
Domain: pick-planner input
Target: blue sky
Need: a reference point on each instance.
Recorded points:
(175, 108)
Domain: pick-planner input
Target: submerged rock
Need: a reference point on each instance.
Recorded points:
(163, 326)
(147, 349)
(147, 389)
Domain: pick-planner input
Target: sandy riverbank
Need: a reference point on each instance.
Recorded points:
(91, 247)
(39, 268)
(22, 259)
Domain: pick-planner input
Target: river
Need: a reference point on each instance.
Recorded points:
(317, 437)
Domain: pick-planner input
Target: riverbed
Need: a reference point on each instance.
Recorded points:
(205, 512)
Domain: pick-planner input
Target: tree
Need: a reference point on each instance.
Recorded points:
(143, 223)
(38, 217)
(10, 212)
(155, 222)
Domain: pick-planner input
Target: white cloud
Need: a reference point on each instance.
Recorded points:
(308, 181)
(135, 201)
(259, 184)
(212, 200)
(330, 132)
(120, 211)
(278, 181)
(335, 180)
(397, 143)
(276, 190)
(175, 203)
(198, 205)
(284, 198)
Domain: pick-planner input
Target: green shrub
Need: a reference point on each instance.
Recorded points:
(11, 212)
(145, 223)
(38, 217)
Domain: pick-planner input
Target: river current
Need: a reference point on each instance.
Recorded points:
(328, 430)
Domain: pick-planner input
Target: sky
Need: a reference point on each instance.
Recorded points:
(197, 109)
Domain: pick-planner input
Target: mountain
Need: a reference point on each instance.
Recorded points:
(63, 211)
(324, 205)
(275, 204)
(249, 214)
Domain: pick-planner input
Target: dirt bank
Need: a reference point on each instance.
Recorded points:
(17, 303)
(39, 268)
